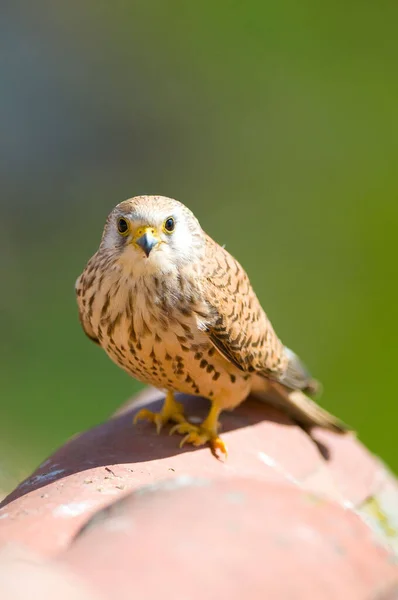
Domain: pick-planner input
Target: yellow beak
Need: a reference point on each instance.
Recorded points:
(146, 238)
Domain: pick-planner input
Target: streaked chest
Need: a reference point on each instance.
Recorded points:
(155, 333)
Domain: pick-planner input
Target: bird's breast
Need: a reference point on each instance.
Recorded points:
(162, 343)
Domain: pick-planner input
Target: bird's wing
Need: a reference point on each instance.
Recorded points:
(85, 323)
(239, 328)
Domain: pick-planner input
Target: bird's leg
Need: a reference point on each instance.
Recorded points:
(171, 411)
(206, 432)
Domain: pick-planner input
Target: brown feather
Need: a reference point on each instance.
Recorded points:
(301, 409)
(85, 323)
(242, 333)
(238, 326)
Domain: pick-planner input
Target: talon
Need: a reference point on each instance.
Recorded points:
(182, 427)
(199, 436)
(183, 441)
(152, 417)
(218, 444)
(193, 434)
(144, 414)
(159, 424)
(196, 438)
(171, 411)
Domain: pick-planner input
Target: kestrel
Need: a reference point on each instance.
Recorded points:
(177, 311)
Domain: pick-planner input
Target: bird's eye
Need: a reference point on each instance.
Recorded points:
(169, 224)
(122, 226)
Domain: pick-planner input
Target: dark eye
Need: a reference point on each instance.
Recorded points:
(169, 224)
(122, 226)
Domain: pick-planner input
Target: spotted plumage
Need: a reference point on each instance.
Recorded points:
(177, 311)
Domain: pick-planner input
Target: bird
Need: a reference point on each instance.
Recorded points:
(177, 311)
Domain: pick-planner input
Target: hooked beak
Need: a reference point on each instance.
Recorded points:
(147, 239)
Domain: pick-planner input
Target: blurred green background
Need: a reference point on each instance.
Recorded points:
(275, 122)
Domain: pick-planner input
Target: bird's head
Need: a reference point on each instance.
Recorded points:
(153, 234)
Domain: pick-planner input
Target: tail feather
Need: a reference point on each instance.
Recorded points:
(298, 377)
(300, 408)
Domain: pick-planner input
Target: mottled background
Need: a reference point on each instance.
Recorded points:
(276, 122)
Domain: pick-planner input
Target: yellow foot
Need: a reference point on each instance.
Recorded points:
(171, 411)
(198, 436)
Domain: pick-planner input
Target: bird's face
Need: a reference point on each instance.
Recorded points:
(153, 235)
